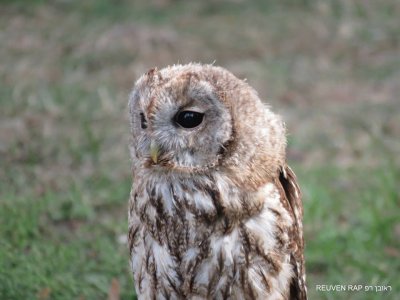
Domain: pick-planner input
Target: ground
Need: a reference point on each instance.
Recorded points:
(331, 68)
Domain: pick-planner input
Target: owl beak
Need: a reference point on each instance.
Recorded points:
(154, 151)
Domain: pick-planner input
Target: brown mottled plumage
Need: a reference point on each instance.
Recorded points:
(215, 212)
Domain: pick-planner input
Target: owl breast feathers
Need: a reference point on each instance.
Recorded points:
(215, 212)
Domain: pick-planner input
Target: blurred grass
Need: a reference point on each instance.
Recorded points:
(331, 68)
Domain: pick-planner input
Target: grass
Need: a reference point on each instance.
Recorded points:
(351, 240)
(329, 67)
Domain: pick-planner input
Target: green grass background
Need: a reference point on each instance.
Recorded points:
(331, 68)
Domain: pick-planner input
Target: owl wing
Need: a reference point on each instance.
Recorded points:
(291, 199)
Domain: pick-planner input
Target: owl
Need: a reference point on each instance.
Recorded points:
(214, 211)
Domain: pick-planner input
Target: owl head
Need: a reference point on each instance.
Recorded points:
(194, 118)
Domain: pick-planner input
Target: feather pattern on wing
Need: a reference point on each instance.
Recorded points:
(291, 194)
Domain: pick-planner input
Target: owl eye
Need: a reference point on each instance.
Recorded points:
(143, 122)
(188, 119)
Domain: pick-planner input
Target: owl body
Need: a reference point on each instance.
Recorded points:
(215, 212)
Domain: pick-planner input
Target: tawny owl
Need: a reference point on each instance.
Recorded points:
(215, 212)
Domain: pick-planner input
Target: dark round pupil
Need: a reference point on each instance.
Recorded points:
(189, 119)
(143, 122)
